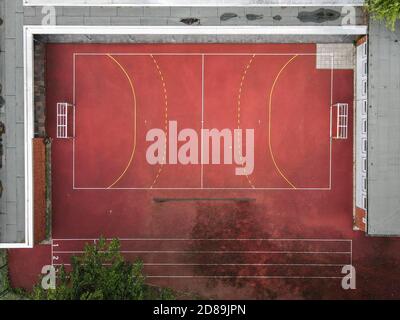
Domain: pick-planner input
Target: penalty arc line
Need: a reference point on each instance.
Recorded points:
(134, 123)
(269, 122)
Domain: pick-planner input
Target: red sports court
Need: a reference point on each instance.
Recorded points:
(287, 226)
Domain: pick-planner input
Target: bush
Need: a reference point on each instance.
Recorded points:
(101, 273)
(4, 282)
(387, 10)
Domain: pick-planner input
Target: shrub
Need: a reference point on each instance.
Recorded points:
(4, 282)
(101, 273)
(387, 10)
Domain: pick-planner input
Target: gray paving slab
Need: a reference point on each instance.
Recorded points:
(130, 11)
(75, 11)
(157, 11)
(13, 225)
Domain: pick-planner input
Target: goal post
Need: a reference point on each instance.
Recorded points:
(341, 110)
(65, 116)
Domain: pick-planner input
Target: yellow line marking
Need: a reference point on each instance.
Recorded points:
(166, 120)
(269, 121)
(134, 123)
(238, 115)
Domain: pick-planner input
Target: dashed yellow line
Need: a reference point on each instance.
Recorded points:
(134, 122)
(239, 115)
(165, 120)
(269, 121)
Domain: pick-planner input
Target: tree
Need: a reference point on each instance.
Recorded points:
(387, 10)
(102, 273)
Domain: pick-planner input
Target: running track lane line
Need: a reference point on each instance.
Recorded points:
(134, 123)
(269, 121)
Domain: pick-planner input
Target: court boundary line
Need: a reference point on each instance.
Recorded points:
(231, 264)
(243, 277)
(201, 187)
(214, 252)
(202, 124)
(203, 53)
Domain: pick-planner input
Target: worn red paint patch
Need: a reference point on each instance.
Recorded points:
(25, 265)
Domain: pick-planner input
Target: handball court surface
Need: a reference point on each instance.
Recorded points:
(283, 231)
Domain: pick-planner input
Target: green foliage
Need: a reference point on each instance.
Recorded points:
(101, 273)
(6, 291)
(4, 282)
(387, 10)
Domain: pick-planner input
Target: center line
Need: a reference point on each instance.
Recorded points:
(202, 122)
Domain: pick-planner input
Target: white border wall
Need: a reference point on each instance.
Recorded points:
(194, 3)
(31, 31)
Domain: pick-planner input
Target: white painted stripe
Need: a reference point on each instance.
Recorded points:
(202, 123)
(193, 3)
(198, 188)
(330, 111)
(213, 252)
(198, 30)
(212, 239)
(199, 54)
(229, 264)
(246, 277)
(203, 55)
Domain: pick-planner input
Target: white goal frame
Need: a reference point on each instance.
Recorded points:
(62, 120)
(342, 120)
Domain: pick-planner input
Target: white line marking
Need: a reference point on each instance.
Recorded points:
(230, 264)
(74, 103)
(294, 265)
(228, 276)
(212, 239)
(202, 142)
(202, 122)
(207, 188)
(52, 253)
(247, 264)
(351, 259)
(199, 54)
(248, 277)
(330, 139)
(215, 252)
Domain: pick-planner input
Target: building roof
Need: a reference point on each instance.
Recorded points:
(384, 131)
